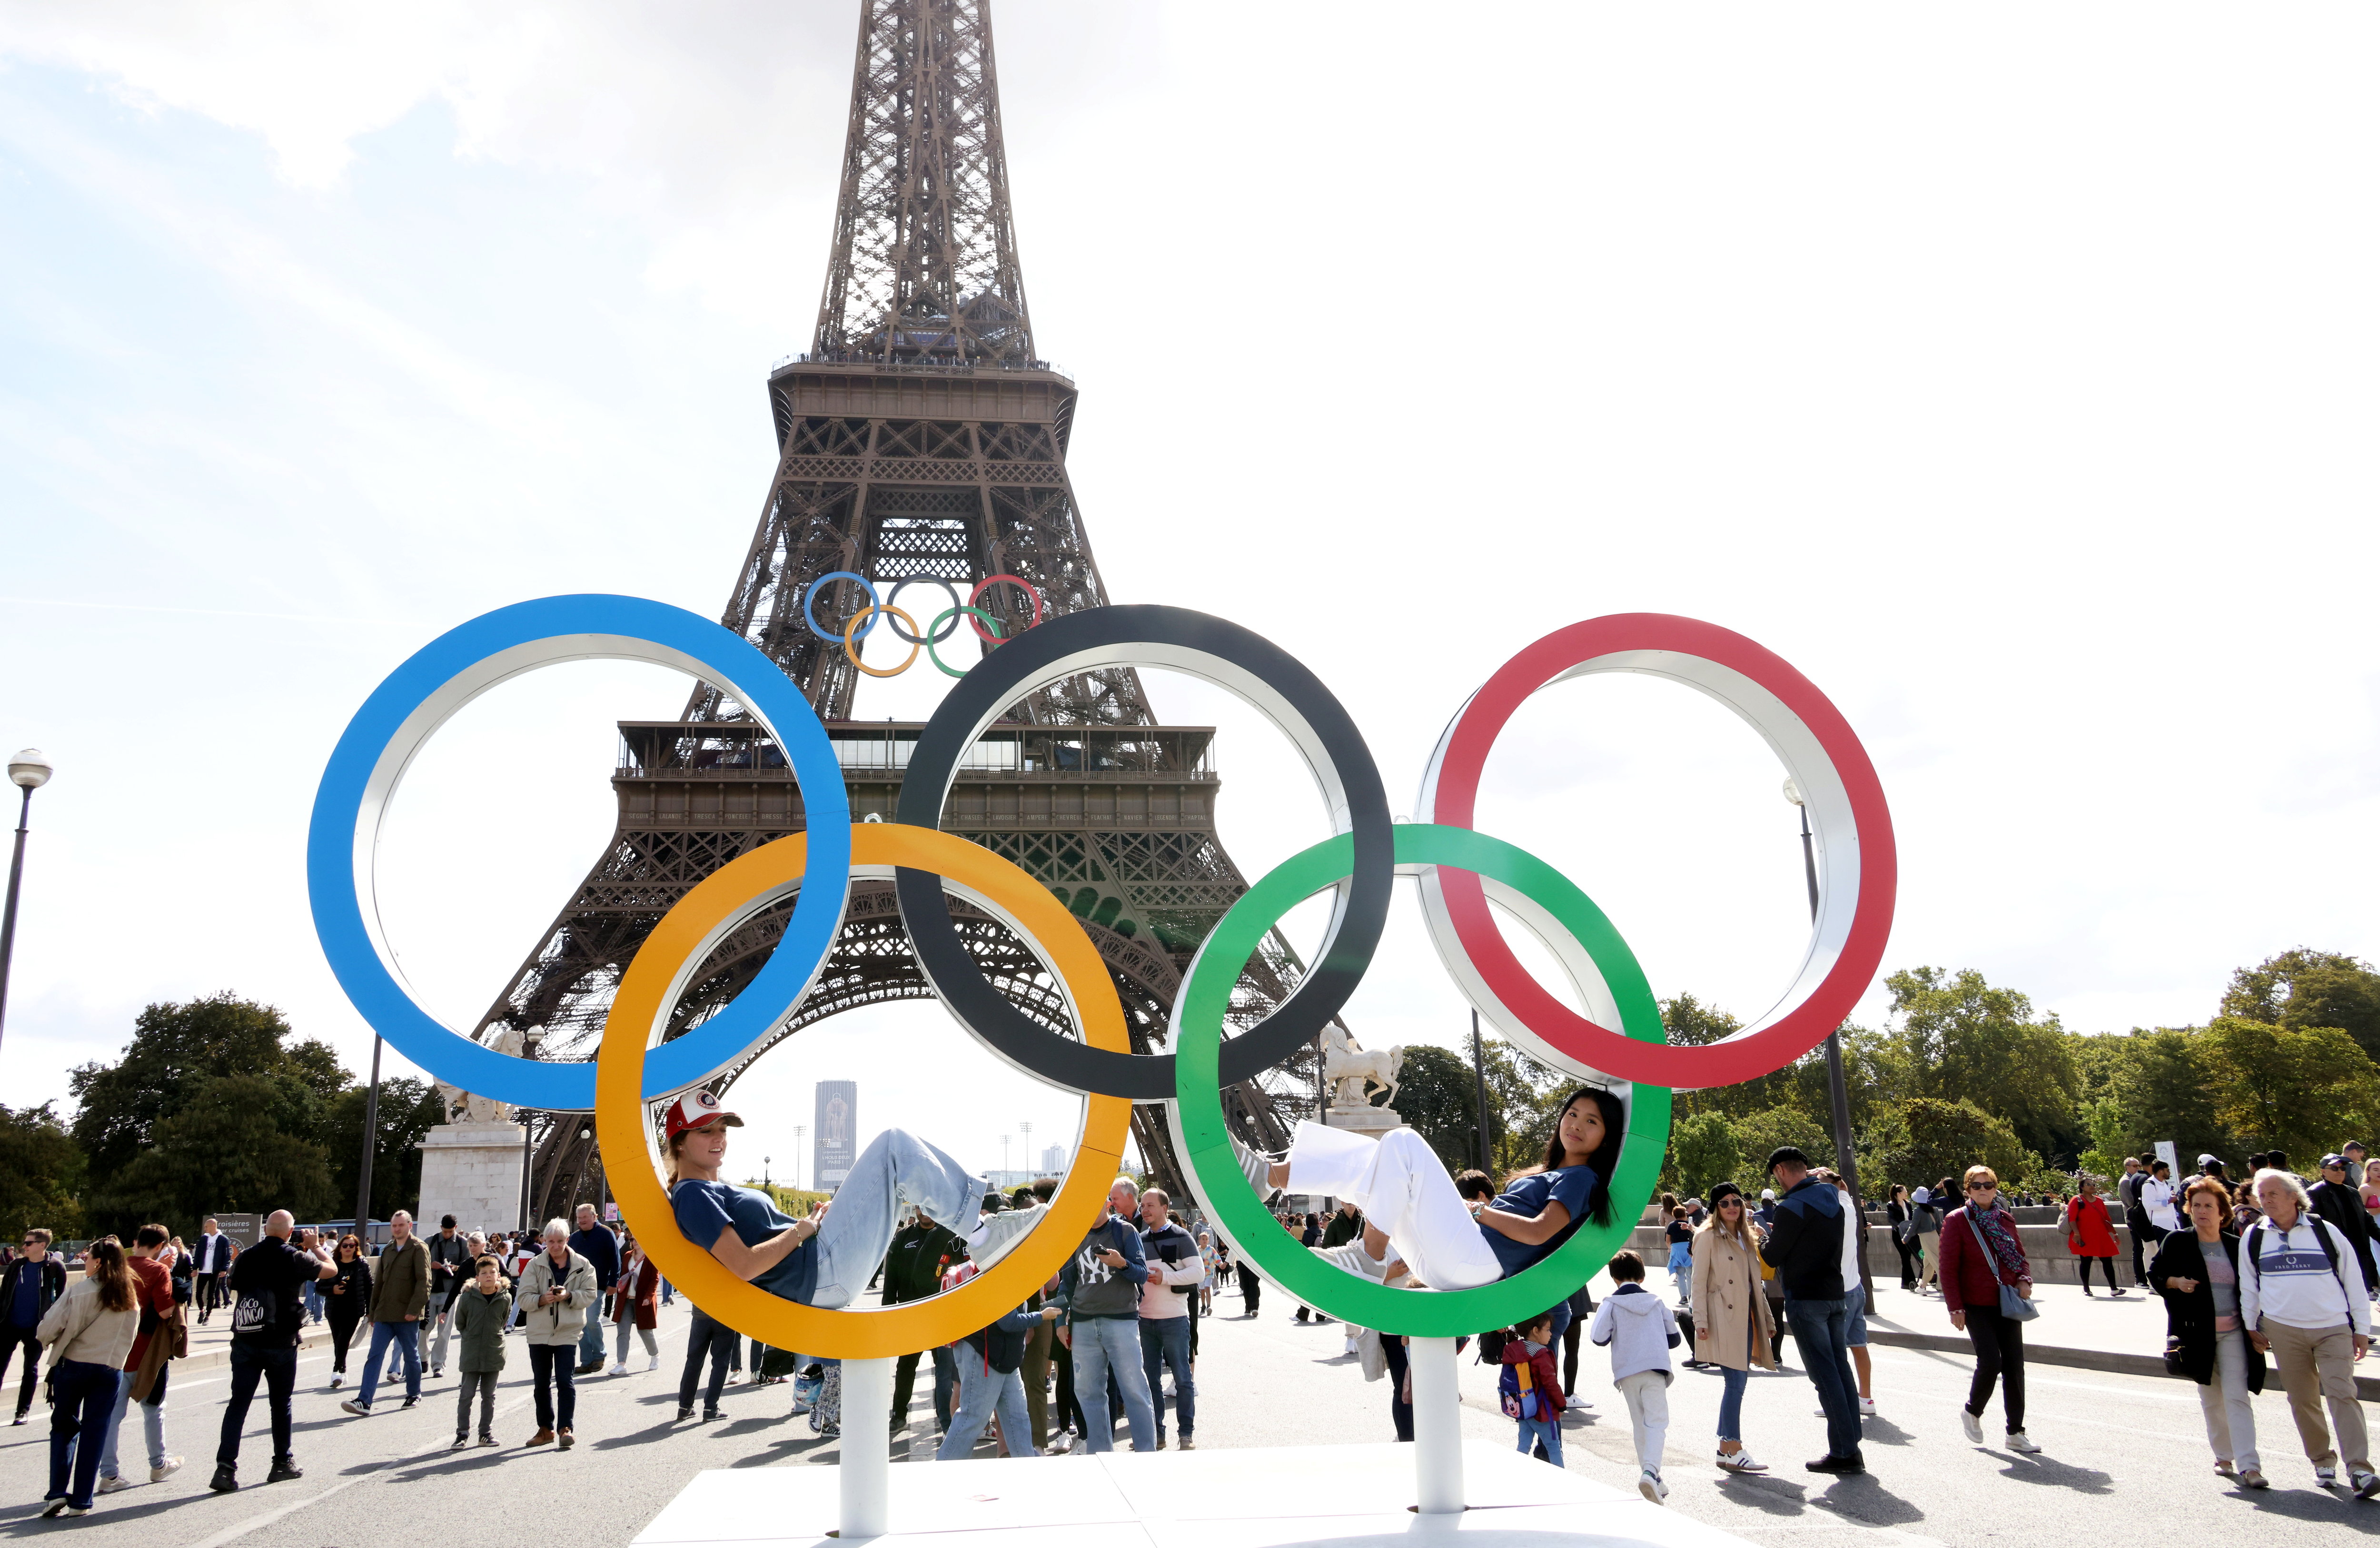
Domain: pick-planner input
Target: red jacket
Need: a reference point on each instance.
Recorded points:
(1970, 1275)
(1541, 1365)
(2087, 1218)
(153, 1285)
(638, 1295)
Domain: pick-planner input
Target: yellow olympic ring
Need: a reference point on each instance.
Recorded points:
(862, 616)
(650, 989)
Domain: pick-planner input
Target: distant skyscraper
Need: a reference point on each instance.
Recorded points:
(838, 1125)
(1053, 1159)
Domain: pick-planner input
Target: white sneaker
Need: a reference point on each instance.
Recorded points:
(619, 1370)
(1257, 1168)
(1973, 1424)
(654, 1364)
(2325, 1478)
(110, 1485)
(1740, 1462)
(995, 1235)
(1649, 1484)
(1867, 1408)
(2019, 1441)
(1060, 1446)
(1354, 1259)
(160, 1474)
(2364, 1482)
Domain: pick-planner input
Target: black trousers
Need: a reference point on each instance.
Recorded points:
(2146, 1239)
(277, 1369)
(1070, 1409)
(1400, 1412)
(11, 1338)
(1251, 1289)
(1999, 1355)
(2106, 1264)
(554, 1369)
(1909, 1265)
(946, 1386)
(344, 1319)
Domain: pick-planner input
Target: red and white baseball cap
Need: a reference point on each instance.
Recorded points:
(695, 1109)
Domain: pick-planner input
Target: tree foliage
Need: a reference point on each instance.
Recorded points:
(1965, 1040)
(1921, 1141)
(2303, 989)
(1438, 1096)
(212, 1107)
(1704, 1149)
(42, 1172)
(2300, 1090)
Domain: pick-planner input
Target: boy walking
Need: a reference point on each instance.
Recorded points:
(1640, 1331)
(479, 1310)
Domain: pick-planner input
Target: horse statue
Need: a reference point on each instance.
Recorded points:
(1353, 1071)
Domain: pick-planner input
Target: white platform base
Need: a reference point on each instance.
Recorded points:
(1253, 1498)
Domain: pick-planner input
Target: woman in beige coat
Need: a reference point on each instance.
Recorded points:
(1733, 1326)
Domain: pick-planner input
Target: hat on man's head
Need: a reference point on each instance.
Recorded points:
(2208, 1161)
(1785, 1155)
(2333, 1160)
(695, 1109)
(1769, 1195)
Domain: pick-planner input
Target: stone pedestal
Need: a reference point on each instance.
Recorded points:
(1372, 1122)
(473, 1172)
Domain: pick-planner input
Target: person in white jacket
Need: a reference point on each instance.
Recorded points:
(2301, 1300)
(1640, 1330)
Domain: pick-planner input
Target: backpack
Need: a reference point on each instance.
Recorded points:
(1517, 1389)
(256, 1313)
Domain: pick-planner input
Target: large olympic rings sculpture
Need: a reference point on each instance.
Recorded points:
(1618, 1043)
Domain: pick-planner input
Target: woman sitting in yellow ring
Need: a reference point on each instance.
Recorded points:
(826, 1258)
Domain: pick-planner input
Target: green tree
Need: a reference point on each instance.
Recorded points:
(1703, 1150)
(277, 1109)
(409, 1109)
(2167, 1093)
(1759, 1133)
(1438, 1094)
(2300, 1090)
(1924, 1139)
(42, 1173)
(1964, 1039)
(2304, 989)
(2106, 1120)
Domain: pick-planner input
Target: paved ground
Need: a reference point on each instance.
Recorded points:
(2126, 1461)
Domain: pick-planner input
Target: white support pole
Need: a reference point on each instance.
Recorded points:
(867, 1481)
(1437, 1427)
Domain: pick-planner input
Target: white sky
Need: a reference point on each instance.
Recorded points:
(2007, 370)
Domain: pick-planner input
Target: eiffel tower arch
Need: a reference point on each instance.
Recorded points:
(921, 434)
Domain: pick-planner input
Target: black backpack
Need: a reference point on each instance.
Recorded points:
(2322, 1229)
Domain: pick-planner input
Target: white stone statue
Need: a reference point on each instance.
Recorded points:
(462, 1107)
(1353, 1071)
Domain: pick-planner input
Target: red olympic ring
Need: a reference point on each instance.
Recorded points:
(1853, 828)
(987, 584)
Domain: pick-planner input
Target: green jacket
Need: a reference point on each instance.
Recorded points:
(479, 1326)
(401, 1281)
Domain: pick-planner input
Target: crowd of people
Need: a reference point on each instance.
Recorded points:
(2276, 1265)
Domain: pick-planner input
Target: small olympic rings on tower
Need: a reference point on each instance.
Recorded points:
(885, 609)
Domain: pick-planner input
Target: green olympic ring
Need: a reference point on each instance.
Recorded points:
(997, 631)
(1205, 1143)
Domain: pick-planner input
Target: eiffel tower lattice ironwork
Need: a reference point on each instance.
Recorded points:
(920, 435)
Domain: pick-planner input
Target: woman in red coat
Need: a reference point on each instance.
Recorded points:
(635, 1296)
(2091, 1234)
(1981, 1253)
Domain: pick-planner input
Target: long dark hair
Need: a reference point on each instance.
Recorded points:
(1605, 1160)
(116, 1290)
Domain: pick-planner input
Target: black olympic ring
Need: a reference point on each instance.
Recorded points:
(1231, 657)
(893, 597)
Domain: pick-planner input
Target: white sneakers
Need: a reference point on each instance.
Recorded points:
(160, 1474)
(620, 1368)
(1972, 1424)
(1740, 1462)
(2364, 1482)
(654, 1364)
(2019, 1441)
(995, 1235)
(110, 1485)
(1867, 1408)
(1649, 1484)
(1257, 1168)
(1354, 1259)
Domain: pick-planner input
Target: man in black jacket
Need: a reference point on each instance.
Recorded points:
(593, 1240)
(1805, 1247)
(28, 1286)
(2337, 1200)
(914, 1266)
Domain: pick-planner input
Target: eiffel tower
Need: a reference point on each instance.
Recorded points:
(921, 435)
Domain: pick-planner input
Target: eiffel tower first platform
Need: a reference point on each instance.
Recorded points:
(921, 435)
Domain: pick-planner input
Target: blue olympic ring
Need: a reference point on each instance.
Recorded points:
(809, 603)
(447, 674)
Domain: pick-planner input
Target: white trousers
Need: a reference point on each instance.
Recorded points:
(2224, 1402)
(1400, 1186)
(1648, 1413)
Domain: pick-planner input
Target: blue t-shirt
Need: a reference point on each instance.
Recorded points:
(1569, 1186)
(25, 1306)
(704, 1209)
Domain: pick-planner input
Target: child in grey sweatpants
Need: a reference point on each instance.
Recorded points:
(480, 1309)
(1640, 1331)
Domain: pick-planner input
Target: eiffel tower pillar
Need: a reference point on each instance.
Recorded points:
(920, 435)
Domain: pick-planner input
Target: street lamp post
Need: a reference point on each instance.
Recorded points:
(1024, 1127)
(28, 771)
(1838, 1094)
(1479, 1070)
(371, 1143)
(799, 1130)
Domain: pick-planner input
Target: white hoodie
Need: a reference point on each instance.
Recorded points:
(1640, 1329)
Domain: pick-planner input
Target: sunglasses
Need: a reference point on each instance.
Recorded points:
(1983, 1188)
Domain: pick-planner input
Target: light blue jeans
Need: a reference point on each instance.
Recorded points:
(1545, 1430)
(153, 1424)
(1731, 1403)
(1104, 1344)
(896, 1173)
(982, 1393)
